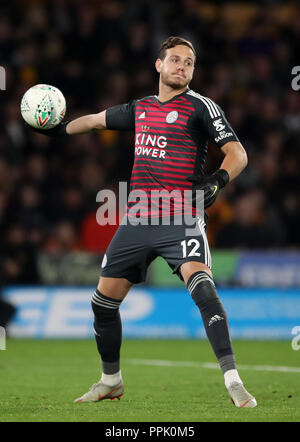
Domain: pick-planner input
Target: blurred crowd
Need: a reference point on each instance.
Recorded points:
(101, 53)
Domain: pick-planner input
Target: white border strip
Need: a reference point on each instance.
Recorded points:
(211, 105)
(206, 245)
(210, 365)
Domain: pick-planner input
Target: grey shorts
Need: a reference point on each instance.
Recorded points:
(134, 247)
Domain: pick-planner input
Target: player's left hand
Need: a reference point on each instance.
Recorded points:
(57, 131)
(210, 184)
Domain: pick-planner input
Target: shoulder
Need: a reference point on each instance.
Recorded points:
(146, 100)
(204, 104)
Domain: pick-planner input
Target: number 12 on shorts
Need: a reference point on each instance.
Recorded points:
(191, 242)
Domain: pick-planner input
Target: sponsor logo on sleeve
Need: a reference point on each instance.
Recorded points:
(223, 135)
(219, 124)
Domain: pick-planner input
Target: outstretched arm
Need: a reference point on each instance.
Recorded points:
(80, 125)
(86, 123)
(119, 117)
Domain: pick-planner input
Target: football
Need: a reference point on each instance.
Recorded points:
(43, 106)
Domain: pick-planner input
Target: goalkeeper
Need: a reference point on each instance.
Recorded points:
(171, 135)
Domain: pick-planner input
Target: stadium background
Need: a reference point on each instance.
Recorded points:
(101, 53)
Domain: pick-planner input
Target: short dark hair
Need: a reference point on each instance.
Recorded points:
(171, 42)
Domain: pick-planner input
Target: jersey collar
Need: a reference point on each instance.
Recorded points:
(161, 103)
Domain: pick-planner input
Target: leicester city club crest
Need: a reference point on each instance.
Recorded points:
(172, 117)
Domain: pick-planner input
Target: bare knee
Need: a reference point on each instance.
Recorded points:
(188, 268)
(115, 288)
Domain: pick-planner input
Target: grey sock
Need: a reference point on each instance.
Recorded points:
(227, 363)
(110, 367)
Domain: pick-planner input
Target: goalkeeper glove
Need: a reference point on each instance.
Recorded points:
(57, 131)
(210, 184)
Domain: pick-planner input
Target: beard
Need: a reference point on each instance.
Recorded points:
(174, 83)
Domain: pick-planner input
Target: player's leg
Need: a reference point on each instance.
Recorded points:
(106, 302)
(198, 279)
(123, 265)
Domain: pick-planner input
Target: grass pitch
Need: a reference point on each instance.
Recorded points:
(165, 381)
